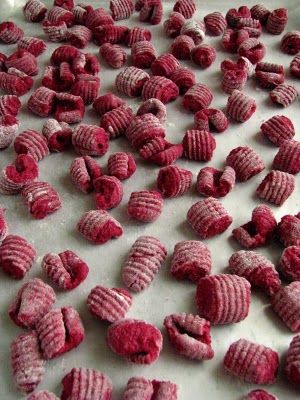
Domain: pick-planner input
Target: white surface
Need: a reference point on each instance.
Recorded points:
(56, 233)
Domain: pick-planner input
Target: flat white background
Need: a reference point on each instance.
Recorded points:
(57, 233)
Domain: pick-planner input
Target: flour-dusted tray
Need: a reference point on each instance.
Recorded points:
(196, 380)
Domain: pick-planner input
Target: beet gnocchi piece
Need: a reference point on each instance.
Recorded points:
(27, 362)
(231, 39)
(116, 121)
(252, 49)
(109, 192)
(32, 143)
(41, 199)
(182, 46)
(131, 80)
(86, 86)
(33, 45)
(259, 230)
(184, 78)
(42, 101)
(289, 263)
(145, 205)
(23, 61)
(233, 15)
(143, 54)
(208, 218)
(295, 67)
(246, 162)
(33, 300)
(215, 23)
(161, 88)
(109, 304)
(137, 341)
(59, 331)
(191, 260)
(250, 25)
(9, 104)
(164, 65)
(98, 17)
(79, 36)
(278, 129)
(152, 12)
(84, 170)
(141, 388)
(98, 226)
(189, 335)
(289, 230)
(66, 270)
(185, 7)
(198, 145)
(172, 26)
(136, 34)
(234, 80)
(10, 32)
(121, 9)
(14, 176)
(203, 55)
(121, 165)
(283, 95)
(59, 14)
(90, 140)
(155, 107)
(173, 181)
(142, 129)
(55, 31)
(269, 75)
(82, 383)
(161, 152)
(58, 135)
(277, 21)
(287, 158)
(197, 97)
(3, 225)
(223, 299)
(259, 394)
(9, 126)
(252, 362)
(34, 11)
(15, 82)
(210, 120)
(194, 29)
(240, 106)
(286, 305)
(143, 262)
(291, 367)
(68, 108)
(106, 103)
(214, 182)
(257, 269)
(260, 12)
(276, 187)
(16, 256)
(113, 55)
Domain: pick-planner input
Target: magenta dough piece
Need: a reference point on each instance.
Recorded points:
(246, 162)
(109, 192)
(143, 262)
(223, 299)
(121, 9)
(277, 21)
(109, 304)
(185, 7)
(198, 145)
(10, 32)
(289, 230)
(240, 106)
(214, 182)
(259, 230)
(140, 388)
(161, 152)
(189, 335)
(59, 14)
(287, 158)
(173, 181)
(142, 129)
(98, 17)
(32, 143)
(252, 362)
(33, 300)
(9, 126)
(143, 54)
(106, 103)
(161, 88)
(131, 80)
(269, 75)
(82, 383)
(42, 395)
(16, 256)
(184, 78)
(68, 108)
(41, 102)
(208, 218)
(23, 61)
(257, 269)
(182, 46)
(59, 331)
(83, 171)
(197, 97)
(113, 54)
(211, 119)
(215, 23)
(58, 135)
(86, 86)
(276, 187)
(172, 26)
(295, 66)
(116, 121)
(3, 225)
(41, 199)
(232, 39)
(234, 15)
(260, 394)
(292, 368)
(278, 129)
(191, 260)
(26, 362)
(90, 140)
(260, 12)
(289, 263)
(98, 226)
(34, 10)
(283, 95)
(194, 29)
(286, 305)
(145, 205)
(112, 34)
(137, 341)
(203, 55)
(164, 65)
(9, 104)
(66, 270)
(121, 165)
